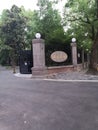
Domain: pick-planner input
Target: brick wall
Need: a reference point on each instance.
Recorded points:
(60, 69)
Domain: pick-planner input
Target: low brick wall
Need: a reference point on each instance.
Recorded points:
(60, 69)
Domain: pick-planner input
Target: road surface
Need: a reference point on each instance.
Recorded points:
(27, 104)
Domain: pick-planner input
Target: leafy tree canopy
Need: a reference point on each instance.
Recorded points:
(12, 30)
(82, 17)
(47, 19)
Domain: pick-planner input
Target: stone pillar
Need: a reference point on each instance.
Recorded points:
(74, 54)
(38, 57)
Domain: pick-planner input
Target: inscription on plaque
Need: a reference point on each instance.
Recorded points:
(59, 56)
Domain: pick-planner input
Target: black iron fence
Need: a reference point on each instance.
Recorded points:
(49, 49)
(25, 61)
(26, 57)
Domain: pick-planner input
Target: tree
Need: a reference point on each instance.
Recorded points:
(84, 16)
(48, 20)
(31, 25)
(12, 29)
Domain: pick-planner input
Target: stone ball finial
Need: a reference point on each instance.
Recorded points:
(38, 35)
(73, 40)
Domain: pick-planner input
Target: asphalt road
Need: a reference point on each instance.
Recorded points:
(27, 104)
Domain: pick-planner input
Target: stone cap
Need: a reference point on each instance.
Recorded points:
(34, 41)
(73, 44)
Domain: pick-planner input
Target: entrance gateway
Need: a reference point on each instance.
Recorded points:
(34, 61)
(38, 48)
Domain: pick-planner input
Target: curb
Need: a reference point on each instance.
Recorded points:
(64, 80)
(29, 76)
(23, 75)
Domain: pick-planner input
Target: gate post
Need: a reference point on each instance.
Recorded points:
(39, 67)
(74, 52)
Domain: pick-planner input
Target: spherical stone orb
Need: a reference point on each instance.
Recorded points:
(38, 35)
(73, 39)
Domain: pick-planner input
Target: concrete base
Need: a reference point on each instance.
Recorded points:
(39, 71)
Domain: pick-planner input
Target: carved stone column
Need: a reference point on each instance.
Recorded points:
(38, 48)
(74, 54)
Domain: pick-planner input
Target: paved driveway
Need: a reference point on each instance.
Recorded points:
(27, 104)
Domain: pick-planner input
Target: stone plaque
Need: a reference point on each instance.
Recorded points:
(59, 56)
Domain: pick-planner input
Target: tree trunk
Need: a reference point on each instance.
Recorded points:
(94, 55)
(14, 68)
(13, 60)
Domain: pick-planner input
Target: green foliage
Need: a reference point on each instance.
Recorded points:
(81, 17)
(4, 57)
(30, 26)
(12, 27)
(12, 30)
(48, 20)
(83, 21)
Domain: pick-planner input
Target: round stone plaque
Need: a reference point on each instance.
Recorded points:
(59, 56)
